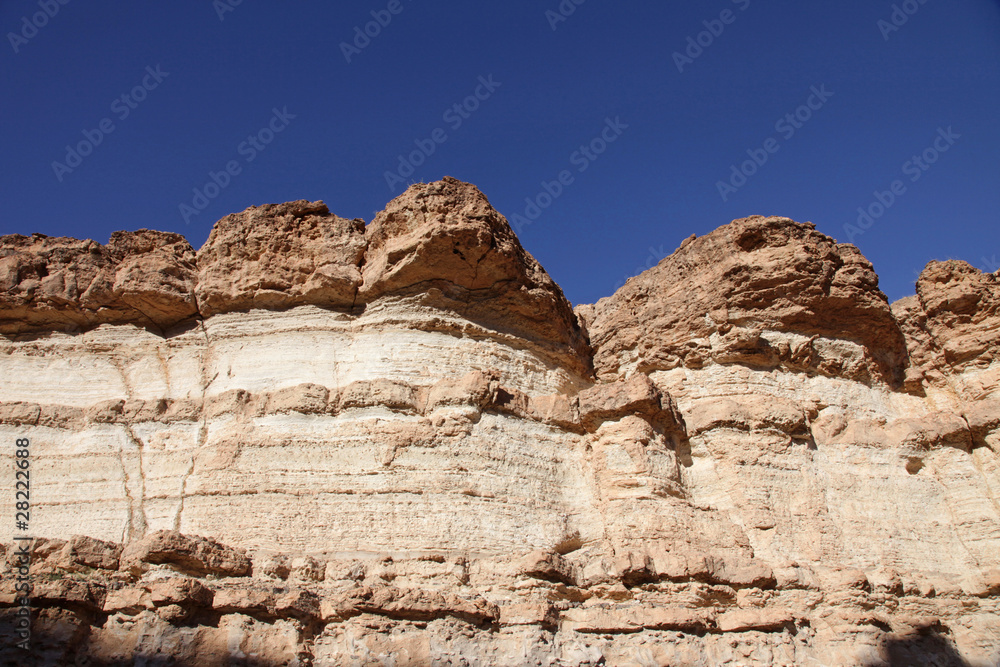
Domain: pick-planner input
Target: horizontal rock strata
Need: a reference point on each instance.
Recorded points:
(440, 244)
(316, 442)
(205, 603)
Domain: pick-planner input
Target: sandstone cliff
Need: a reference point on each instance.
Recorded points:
(319, 442)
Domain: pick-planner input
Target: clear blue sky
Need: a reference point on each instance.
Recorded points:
(218, 82)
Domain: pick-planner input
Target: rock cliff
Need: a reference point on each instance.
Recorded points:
(316, 442)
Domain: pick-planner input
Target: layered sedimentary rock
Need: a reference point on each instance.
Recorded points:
(952, 324)
(442, 246)
(323, 443)
(279, 256)
(52, 284)
(763, 292)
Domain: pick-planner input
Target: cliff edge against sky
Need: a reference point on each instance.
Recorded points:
(316, 442)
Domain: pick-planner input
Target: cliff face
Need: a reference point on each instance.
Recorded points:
(53, 284)
(316, 442)
(763, 292)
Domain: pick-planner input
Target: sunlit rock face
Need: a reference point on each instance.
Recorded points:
(764, 292)
(314, 441)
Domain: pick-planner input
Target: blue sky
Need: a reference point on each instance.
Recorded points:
(643, 110)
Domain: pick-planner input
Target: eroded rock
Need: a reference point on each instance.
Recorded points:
(953, 322)
(761, 275)
(197, 555)
(278, 256)
(145, 278)
(444, 240)
(399, 429)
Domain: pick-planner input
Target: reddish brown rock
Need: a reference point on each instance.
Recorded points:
(983, 417)
(195, 555)
(410, 604)
(69, 593)
(953, 322)
(922, 350)
(88, 552)
(56, 283)
(393, 395)
(746, 413)
(740, 573)
(446, 241)
(758, 274)
(155, 275)
(244, 598)
(474, 388)
(766, 620)
(182, 591)
(548, 566)
(279, 256)
(251, 598)
(634, 396)
(607, 620)
(556, 409)
(305, 398)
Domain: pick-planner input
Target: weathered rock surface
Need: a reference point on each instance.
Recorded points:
(764, 292)
(446, 244)
(952, 324)
(438, 247)
(196, 555)
(387, 445)
(55, 284)
(279, 256)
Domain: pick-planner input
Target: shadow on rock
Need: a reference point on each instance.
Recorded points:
(927, 648)
(62, 638)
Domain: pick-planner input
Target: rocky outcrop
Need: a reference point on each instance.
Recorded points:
(952, 324)
(396, 444)
(763, 292)
(195, 555)
(62, 284)
(438, 247)
(279, 256)
(445, 243)
(536, 608)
